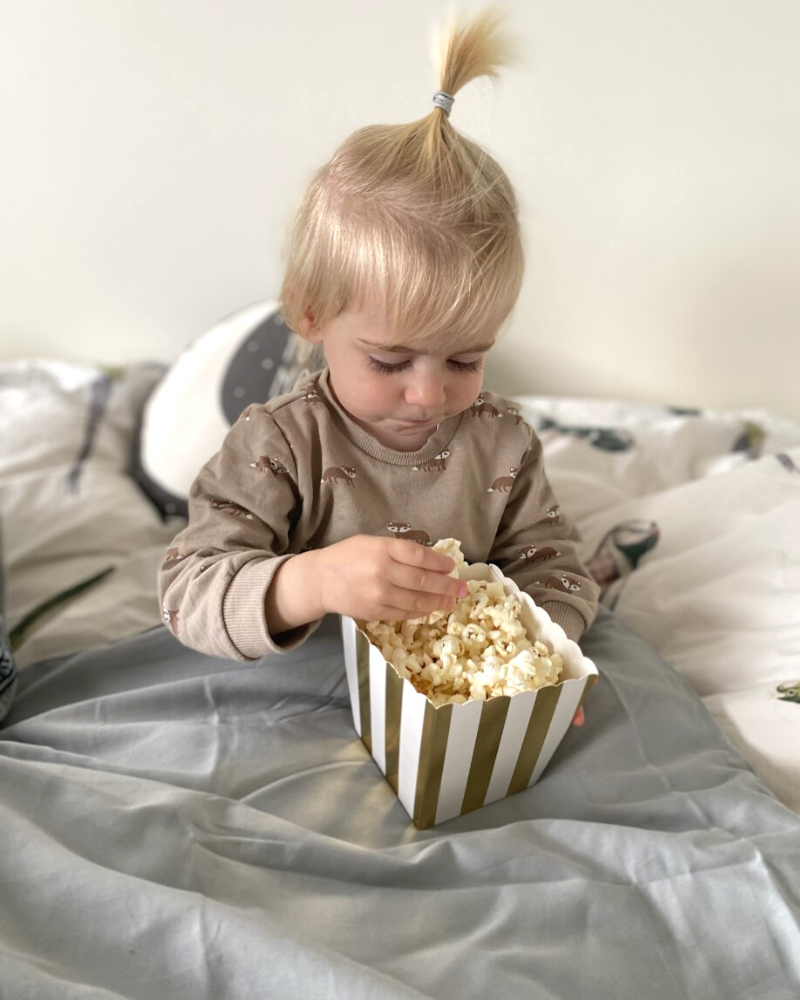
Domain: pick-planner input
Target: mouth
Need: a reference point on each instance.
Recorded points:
(427, 421)
(410, 425)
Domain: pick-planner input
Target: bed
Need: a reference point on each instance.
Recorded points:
(177, 825)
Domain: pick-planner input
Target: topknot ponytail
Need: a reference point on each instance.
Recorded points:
(464, 52)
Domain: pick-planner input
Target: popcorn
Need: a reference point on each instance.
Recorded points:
(479, 650)
(452, 547)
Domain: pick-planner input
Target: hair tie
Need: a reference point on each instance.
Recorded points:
(443, 101)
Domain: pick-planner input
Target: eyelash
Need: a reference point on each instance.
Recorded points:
(386, 369)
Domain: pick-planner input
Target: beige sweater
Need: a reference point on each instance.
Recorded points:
(299, 473)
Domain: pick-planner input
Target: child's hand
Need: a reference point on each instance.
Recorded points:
(385, 579)
(579, 718)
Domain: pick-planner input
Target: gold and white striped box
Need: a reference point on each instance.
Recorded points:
(443, 762)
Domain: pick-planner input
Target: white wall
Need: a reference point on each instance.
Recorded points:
(153, 152)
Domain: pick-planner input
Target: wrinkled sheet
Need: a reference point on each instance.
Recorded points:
(81, 544)
(690, 520)
(691, 524)
(178, 826)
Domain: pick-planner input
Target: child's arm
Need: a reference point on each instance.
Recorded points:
(242, 506)
(230, 587)
(537, 546)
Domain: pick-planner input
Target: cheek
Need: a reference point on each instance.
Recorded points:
(467, 388)
(357, 386)
(368, 390)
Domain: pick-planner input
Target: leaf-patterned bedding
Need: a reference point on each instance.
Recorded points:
(690, 521)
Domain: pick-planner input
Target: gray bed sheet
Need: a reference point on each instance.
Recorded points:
(179, 826)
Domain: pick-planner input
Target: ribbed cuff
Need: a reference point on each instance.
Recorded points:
(245, 617)
(567, 617)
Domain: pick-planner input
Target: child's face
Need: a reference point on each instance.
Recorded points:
(398, 394)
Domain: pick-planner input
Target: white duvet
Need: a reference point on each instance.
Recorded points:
(691, 521)
(695, 524)
(69, 511)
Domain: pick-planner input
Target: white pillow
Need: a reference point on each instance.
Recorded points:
(248, 357)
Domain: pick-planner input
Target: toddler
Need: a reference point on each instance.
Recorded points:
(404, 262)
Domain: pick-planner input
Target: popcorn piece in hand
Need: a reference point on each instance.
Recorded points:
(479, 650)
(449, 547)
(452, 547)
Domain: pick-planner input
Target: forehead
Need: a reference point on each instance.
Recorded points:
(368, 327)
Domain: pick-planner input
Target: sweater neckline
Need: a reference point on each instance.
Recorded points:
(370, 445)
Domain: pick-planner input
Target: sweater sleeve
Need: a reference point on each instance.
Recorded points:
(537, 546)
(242, 507)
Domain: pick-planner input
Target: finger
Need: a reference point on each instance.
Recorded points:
(420, 556)
(424, 581)
(413, 604)
(579, 718)
(392, 615)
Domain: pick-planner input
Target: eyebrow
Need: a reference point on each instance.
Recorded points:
(400, 349)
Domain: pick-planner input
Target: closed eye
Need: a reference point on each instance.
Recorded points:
(467, 366)
(388, 369)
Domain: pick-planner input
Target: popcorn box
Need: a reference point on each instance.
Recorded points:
(445, 761)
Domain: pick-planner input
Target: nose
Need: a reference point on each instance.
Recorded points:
(426, 390)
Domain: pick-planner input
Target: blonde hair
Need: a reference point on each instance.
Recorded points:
(416, 218)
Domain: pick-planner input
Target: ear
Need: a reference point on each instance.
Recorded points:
(308, 328)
